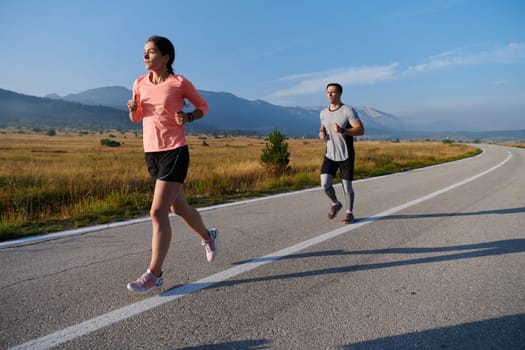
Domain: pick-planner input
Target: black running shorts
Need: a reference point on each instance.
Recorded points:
(169, 165)
(346, 166)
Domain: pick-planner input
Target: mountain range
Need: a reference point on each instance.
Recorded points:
(106, 108)
(18, 110)
(229, 113)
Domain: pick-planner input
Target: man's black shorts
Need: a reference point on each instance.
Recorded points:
(331, 166)
(169, 165)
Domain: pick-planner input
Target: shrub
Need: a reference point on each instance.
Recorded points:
(275, 156)
(109, 143)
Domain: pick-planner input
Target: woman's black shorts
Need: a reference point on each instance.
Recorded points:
(169, 165)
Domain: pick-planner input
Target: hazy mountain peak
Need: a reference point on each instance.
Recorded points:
(372, 112)
(53, 96)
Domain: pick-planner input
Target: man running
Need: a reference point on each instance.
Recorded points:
(339, 124)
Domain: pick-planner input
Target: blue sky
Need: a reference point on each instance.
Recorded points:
(453, 64)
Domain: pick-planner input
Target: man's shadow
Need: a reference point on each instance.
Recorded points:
(458, 252)
(441, 215)
(450, 253)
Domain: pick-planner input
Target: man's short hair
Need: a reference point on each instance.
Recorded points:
(338, 86)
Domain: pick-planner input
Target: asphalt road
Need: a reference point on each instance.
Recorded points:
(436, 260)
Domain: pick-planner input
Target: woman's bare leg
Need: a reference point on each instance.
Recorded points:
(164, 194)
(189, 215)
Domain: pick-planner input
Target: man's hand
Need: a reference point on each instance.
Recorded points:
(337, 128)
(322, 132)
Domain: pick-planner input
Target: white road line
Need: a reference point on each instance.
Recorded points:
(84, 230)
(105, 320)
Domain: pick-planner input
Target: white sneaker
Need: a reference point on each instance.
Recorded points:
(211, 244)
(145, 283)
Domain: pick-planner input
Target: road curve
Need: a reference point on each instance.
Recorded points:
(436, 260)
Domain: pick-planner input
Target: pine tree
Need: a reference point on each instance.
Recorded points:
(275, 156)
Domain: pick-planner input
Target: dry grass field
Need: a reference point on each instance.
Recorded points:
(51, 183)
(517, 144)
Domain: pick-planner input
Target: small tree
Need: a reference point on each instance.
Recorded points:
(275, 156)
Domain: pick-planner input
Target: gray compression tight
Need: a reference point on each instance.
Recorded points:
(326, 183)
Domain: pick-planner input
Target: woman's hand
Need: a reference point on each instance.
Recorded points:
(134, 114)
(181, 118)
(132, 105)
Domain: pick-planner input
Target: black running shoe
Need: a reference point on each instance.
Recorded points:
(334, 210)
(349, 218)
